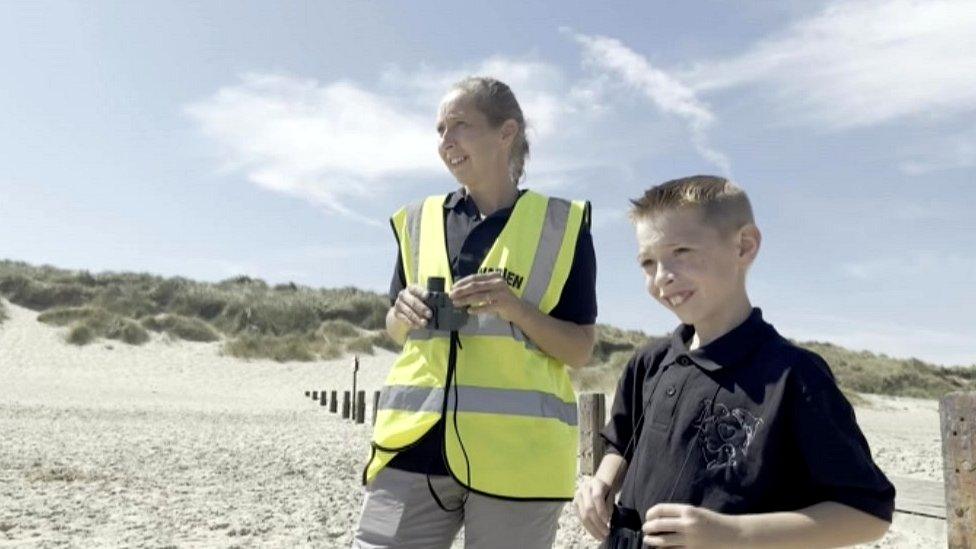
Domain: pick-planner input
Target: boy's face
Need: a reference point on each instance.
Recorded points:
(690, 267)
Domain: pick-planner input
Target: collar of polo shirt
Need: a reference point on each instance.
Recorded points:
(731, 349)
(460, 198)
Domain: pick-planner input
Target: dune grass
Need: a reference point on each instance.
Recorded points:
(292, 322)
(4, 315)
(293, 347)
(868, 372)
(252, 319)
(181, 327)
(92, 322)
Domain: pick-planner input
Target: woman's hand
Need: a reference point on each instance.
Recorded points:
(487, 293)
(593, 507)
(410, 307)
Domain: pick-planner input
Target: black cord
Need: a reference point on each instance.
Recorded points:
(450, 381)
(694, 445)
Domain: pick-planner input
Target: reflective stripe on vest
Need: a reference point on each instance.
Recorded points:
(478, 399)
(515, 426)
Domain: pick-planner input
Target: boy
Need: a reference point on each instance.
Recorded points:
(726, 434)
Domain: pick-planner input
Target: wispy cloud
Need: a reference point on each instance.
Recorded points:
(331, 143)
(913, 264)
(861, 63)
(324, 143)
(666, 92)
(947, 153)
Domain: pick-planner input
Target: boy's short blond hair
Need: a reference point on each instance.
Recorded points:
(723, 205)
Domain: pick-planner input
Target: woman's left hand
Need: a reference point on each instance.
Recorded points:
(486, 293)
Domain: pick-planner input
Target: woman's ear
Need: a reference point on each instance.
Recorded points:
(509, 128)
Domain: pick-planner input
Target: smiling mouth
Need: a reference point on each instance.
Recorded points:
(456, 161)
(675, 300)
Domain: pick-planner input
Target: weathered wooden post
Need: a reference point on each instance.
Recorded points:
(957, 412)
(376, 404)
(333, 404)
(591, 420)
(315, 395)
(355, 372)
(322, 400)
(345, 405)
(308, 393)
(361, 407)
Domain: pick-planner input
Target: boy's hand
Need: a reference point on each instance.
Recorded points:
(486, 293)
(680, 525)
(593, 507)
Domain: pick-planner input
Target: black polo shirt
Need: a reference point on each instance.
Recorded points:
(469, 238)
(749, 423)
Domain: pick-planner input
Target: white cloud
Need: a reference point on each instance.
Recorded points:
(953, 152)
(912, 265)
(336, 142)
(320, 142)
(666, 92)
(861, 63)
(331, 142)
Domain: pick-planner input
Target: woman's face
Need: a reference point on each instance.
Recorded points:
(473, 151)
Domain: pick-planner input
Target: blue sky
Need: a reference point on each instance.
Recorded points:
(273, 139)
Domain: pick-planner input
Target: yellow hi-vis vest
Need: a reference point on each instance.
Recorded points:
(514, 434)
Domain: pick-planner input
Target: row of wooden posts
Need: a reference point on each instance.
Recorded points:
(353, 403)
(916, 499)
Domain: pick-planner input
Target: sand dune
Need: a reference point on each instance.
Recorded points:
(170, 444)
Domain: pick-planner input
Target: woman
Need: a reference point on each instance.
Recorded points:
(477, 422)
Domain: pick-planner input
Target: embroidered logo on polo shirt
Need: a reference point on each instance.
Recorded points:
(725, 435)
(511, 278)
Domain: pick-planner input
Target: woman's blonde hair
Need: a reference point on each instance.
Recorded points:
(495, 100)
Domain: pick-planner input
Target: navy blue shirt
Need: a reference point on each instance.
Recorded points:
(749, 423)
(469, 238)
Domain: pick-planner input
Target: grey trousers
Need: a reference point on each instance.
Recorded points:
(399, 511)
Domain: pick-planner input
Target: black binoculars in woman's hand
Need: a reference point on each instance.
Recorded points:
(445, 316)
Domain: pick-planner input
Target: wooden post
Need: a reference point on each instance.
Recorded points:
(355, 372)
(957, 412)
(315, 395)
(308, 393)
(361, 407)
(322, 400)
(333, 404)
(376, 404)
(345, 405)
(591, 421)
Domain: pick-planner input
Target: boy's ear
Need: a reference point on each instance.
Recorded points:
(749, 241)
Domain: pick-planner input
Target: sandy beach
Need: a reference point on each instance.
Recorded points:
(170, 444)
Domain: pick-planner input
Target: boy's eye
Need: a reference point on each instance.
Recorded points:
(679, 251)
(647, 263)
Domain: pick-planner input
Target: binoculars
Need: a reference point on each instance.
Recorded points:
(625, 530)
(445, 315)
